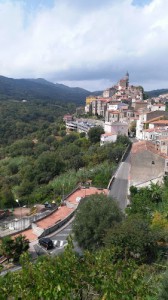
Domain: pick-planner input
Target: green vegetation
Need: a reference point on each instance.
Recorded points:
(95, 215)
(124, 255)
(92, 276)
(38, 158)
(135, 239)
(163, 295)
(140, 237)
(13, 248)
(95, 133)
(40, 89)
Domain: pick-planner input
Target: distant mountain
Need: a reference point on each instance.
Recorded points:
(156, 93)
(40, 89)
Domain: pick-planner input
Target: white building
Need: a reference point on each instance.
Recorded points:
(107, 138)
(118, 128)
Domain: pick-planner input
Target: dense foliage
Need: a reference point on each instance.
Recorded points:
(39, 162)
(38, 158)
(135, 238)
(95, 215)
(163, 294)
(13, 248)
(141, 236)
(95, 133)
(40, 89)
(94, 276)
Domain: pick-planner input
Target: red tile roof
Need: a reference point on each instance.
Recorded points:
(160, 122)
(85, 192)
(146, 145)
(109, 134)
(114, 112)
(28, 234)
(62, 212)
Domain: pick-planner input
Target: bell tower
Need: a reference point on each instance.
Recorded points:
(127, 79)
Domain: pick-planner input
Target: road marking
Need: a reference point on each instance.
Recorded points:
(59, 244)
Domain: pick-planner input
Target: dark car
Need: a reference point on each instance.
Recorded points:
(46, 242)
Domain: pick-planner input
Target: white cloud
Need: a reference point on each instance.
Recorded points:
(100, 43)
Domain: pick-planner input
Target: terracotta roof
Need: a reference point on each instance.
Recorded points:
(162, 122)
(115, 103)
(149, 130)
(153, 120)
(28, 234)
(103, 99)
(163, 139)
(114, 112)
(85, 192)
(146, 145)
(62, 212)
(108, 134)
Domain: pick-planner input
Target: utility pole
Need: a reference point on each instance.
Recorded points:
(20, 213)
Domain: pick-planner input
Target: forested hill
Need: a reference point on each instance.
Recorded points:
(156, 93)
(40, 89)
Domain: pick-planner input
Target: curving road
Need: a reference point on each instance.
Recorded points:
(119, 187)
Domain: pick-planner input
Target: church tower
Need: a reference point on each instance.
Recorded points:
(127, 79)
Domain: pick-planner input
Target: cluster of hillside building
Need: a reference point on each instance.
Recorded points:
(122, 108)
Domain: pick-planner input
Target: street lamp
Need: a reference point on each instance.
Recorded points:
(20, 212)
(63, 192)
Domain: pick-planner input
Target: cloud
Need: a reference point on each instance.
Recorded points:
(85, 41)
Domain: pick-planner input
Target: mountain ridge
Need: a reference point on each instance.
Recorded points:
(40, 89)
(44, 90)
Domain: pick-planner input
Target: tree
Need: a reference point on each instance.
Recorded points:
(135, 238)
(47, 166)
(95, 133)
(7, 247)
(6, 197)
(143, 201)
(163, 294)
(94, 216)
(95, 275)
(13, 248)
(21, 245)
(123, 139)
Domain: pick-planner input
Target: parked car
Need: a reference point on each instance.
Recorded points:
(46, 243)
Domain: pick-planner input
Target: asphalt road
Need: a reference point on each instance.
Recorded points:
(60, 239)
(119, 187)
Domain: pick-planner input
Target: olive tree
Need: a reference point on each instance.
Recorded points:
(94, 216)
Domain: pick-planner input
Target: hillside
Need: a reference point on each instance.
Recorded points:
(40, 89)
(156, 93)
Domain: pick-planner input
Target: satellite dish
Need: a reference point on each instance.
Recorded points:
(78, 199)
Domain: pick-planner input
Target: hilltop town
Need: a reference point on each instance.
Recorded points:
(123, 110)
(55, 163)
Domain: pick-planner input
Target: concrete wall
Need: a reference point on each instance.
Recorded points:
(25, 222)
(145, 166)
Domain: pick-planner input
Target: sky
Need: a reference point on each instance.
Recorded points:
(85, 43)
